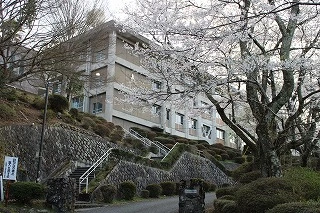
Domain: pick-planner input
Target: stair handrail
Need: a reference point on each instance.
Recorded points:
(169, 151)
(85, 176)
(148, 142)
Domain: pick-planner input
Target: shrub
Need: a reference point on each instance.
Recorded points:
(155, 190)
(239, 160)
(6, 111)
(144, 193)
(127, 190)
(116, 135)
(24, 192)
(58, 103)
(108, 192)
(9, 94)
(224, 206)
(153, 149)
(101, 130)
(243, 168)
(67, 119)
(263, 194)
(164, 140)
(296, 207)
(213, 187)
(227, 197)
(218, 157)
(225, 156)
(87, 122)
(168, 188)
(230, 190)
(38, 103)
(250, 176)
(74, 113)
(305, 181)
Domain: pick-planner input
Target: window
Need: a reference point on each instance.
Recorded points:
(206, 131)
(97, 107)
(168, 114)
(220, 134)
(156, 85)
(77, 102)
(179, 118)
(193, 123)
(156, 109)
(205, 107)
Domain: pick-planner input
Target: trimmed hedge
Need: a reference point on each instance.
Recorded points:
(305, 181)
(250, 176)
(155, 190)
(226, 191)
(225, 206)
(127, 190)
(24, 192)
(296, 207)
(58, 103)
(263, 194)
(109, 192)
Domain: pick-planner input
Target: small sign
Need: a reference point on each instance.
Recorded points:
(10, 168)
(190, 191)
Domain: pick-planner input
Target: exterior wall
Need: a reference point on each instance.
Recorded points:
(121, 67)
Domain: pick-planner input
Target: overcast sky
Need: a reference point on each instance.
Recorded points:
(115, 8)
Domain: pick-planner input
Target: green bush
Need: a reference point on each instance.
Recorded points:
(243, 168)
(145, 193)
(87, 122)
(24, 192)
(225, 156)
(263, 194)
(250, 176)
(127, 190)
(74, 113)
(296, 207)
(153, 149)
(224, 206)
(230, 190)
(108, 192)
(116, 135)
(168, 188)
(213, 187)
(305, 181)
(228, 197)
(239, 160)
(6, 111)
(155, 190)
(165, 140)
(101, 130)
(38, 103)
(9, 94)
(58, 103)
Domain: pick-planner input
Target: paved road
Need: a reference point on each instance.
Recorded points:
(163, 205)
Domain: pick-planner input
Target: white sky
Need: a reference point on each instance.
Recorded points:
(114, 8)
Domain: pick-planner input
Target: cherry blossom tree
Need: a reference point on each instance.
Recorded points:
(254, 59)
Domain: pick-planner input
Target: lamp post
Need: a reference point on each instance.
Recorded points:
(96, 106)
(42, 133)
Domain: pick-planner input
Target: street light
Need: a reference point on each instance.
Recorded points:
(42, 132)
(96, 106)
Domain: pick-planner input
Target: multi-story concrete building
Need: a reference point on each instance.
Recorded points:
(111, 67)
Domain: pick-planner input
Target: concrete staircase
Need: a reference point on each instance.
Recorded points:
(76, 174)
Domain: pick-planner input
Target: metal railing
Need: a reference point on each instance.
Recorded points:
(162, 148)
(84, 179)
(169, 151)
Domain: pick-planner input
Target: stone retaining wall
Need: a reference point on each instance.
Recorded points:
(188, 166)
